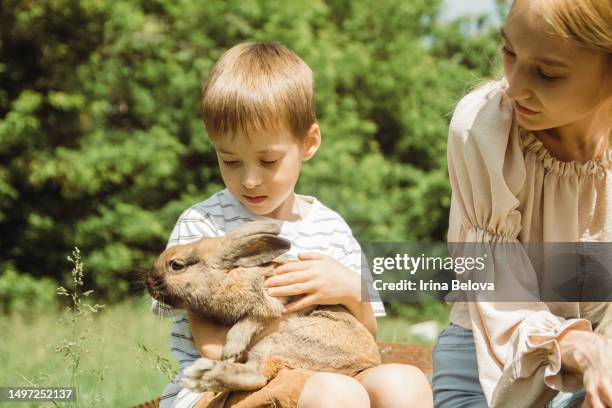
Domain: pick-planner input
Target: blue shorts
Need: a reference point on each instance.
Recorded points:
(455, 376)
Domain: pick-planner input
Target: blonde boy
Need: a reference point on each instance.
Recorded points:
(258, 108)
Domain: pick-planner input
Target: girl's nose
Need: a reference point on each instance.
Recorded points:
(518, 85)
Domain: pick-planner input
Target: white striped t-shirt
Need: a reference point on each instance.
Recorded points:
(321, 231)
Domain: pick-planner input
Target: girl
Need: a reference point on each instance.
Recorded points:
(530, 160)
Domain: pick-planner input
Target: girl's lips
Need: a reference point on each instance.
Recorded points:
(255, 199)
(523, 110)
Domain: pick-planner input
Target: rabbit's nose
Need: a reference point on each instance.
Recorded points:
(156, 283)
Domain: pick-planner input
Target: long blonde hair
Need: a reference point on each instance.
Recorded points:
(586, 22)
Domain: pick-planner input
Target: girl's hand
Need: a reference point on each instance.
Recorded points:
(320, 279)
(590, 354)
(597, 371)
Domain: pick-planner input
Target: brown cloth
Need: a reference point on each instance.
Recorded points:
(282, 391)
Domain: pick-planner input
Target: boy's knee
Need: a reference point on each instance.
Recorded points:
(329, 390)
(398, 385)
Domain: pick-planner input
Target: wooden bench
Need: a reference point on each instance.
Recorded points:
(417, 355)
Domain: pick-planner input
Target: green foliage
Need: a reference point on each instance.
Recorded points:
(24, 294)
(102, 146)
(419, 312)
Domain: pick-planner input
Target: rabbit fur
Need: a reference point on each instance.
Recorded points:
(221, 279)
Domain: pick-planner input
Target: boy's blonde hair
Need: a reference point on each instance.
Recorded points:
(587, 22)
(258, 86)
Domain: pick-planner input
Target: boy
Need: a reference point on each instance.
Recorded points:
(258, 108)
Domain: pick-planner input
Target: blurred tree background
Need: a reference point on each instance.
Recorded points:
(102, 145)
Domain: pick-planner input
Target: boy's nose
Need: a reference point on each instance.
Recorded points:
(250, 180)
(250, 184)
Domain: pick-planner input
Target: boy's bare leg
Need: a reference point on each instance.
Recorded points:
(397, 385)
(330, 390)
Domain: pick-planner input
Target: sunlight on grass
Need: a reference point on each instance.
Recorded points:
(116, 346)
(28, 353)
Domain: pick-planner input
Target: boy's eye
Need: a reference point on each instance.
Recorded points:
(268, 162)
(230, 162)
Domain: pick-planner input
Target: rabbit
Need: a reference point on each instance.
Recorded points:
(221, 279)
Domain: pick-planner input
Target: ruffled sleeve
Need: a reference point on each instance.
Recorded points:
(485, 182)
(517, 350)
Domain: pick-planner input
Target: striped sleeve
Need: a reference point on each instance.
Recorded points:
(192, 225)
(354, 259)
(184, 351)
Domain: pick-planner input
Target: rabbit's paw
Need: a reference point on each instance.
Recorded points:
(201, 376)
(231, 354)
(211, 375)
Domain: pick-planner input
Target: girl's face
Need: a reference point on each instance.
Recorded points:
(552, 81)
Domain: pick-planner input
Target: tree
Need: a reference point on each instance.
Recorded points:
(102, 145)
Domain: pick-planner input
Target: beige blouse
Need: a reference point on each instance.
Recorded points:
(506, 187)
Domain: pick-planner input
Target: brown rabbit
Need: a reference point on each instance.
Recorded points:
(222, 279)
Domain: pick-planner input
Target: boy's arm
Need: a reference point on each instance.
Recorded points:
(321, 280)
(352, 299)
(361, 308)
(364, 313)
(208, 336)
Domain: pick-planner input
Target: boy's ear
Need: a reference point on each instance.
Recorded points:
(312, 141)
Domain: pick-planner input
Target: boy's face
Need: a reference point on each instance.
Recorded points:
(261, 171)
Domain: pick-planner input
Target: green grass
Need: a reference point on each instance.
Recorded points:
(116, 341)
(396, 330)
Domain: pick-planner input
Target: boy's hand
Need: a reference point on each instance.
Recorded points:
(320, 279)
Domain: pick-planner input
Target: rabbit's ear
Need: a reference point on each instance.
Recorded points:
(253, 250)
(255, 227)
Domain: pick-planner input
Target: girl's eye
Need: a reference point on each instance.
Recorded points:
(507, 52)
(268, 162)
(230, 162)
(547, 77)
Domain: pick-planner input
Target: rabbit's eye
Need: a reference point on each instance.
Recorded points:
(177, 265)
